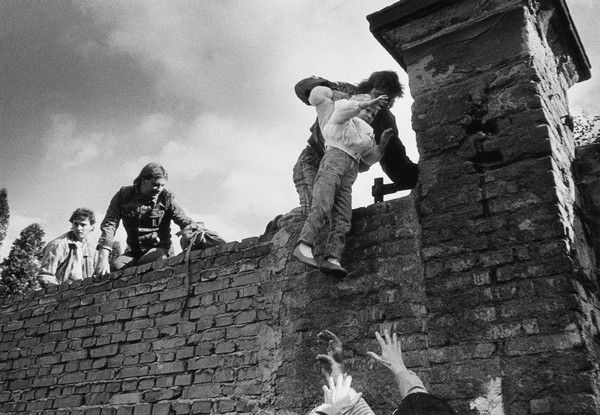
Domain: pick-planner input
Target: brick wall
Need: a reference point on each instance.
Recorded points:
(245, 344)
(511, 323)
(489, 274)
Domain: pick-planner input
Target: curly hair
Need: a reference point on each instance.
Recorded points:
(151, 171)
(83, 213)
(384, 80)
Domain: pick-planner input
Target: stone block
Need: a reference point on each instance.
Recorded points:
(126, 398)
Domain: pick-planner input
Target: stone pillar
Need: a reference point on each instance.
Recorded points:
(506, 331)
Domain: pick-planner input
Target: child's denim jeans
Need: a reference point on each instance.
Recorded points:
(332, 193)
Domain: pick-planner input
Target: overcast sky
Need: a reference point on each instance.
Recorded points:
(92, 91)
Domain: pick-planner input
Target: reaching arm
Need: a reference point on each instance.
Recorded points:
(319, 95)
(391, 357)
(339, 396)
(305, 86)
(110, 223)
(180, 218)
(376, 151)
(108, 227)
(345, 109)
(332, 366)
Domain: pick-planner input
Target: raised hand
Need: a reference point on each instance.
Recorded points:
(391, 352)
(385, 137)
(331, 363)
(381, 102)
(339, 394)
(329, 367)
(334, 344)
(376, 103)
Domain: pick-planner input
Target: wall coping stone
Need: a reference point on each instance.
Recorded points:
(405, 11)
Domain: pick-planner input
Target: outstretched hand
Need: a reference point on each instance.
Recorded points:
(380, 102)
(339, 395)
(331, 363)
(391, 352)
(334, 344)
(102, 266)
(329, 367)
(385, 137)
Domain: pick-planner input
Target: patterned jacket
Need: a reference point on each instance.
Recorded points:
(147, 223)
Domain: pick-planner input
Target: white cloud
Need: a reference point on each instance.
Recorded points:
(67, 148)
(154, 128)
(248, 161)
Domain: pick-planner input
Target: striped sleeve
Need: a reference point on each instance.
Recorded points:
(361, 408)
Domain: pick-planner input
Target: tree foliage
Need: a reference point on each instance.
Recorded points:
(21, 266)
(4, 215)
(587, 129)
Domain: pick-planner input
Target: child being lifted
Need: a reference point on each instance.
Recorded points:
(349, 144)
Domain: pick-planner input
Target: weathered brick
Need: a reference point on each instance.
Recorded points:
(107, 350)
(125, 398)
(541, 343)
(170, 367)
(225, 347)
(246, 317)
(203, 391)
(203, 362)
(133, 372)
(161, 409)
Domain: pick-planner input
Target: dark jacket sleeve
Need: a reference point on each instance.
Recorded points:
(395, 163)
(178, 215)
(306, 85)
(109, 225)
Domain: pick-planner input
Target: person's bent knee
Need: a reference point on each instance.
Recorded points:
(122, 261)
(153, 254)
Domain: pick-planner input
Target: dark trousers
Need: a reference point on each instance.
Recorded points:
(305, 173)
(132, 259)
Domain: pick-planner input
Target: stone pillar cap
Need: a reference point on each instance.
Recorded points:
(403, 11)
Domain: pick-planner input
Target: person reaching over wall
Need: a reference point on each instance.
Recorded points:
(348, 142)
(415, 398)
(395, 163)
(338, 397)
(147, 210)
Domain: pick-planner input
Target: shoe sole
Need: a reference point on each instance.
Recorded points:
(334, 272)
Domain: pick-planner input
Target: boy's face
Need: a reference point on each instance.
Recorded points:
(81, 227)
(367, 115)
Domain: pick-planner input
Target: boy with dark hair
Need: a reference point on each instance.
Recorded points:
(69, 258)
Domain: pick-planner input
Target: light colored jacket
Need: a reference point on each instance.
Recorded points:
(65, 259)
(342, 128)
